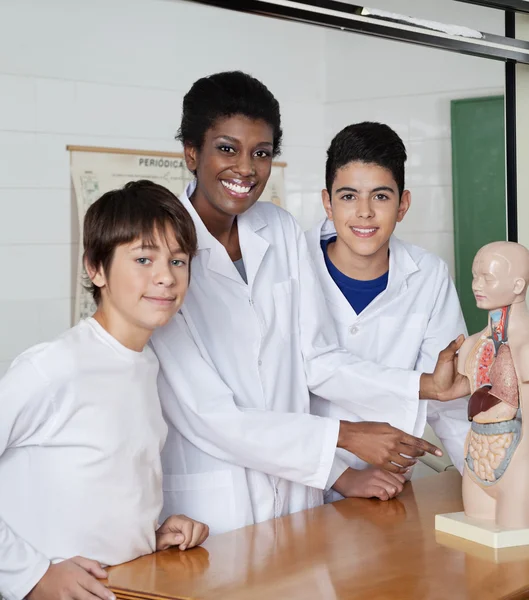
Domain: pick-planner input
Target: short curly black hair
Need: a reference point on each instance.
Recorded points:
(224, 95)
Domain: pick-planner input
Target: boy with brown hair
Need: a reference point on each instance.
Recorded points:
(81, 426)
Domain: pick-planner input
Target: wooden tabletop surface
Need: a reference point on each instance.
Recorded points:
(354, 549)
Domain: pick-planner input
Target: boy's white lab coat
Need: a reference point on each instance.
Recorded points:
(406, 326)
(235, 366)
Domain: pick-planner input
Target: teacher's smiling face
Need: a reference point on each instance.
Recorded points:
(233, 165)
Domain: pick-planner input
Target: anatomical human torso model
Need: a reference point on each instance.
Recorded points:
(496, 362)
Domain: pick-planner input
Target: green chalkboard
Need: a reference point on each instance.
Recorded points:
(478, 174)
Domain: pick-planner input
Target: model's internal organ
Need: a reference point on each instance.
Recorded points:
(488, 453)
(484, 358)
(492, 408)
(496, 397)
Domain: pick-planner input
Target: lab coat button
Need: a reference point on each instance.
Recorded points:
(259, 362)
(353, 329)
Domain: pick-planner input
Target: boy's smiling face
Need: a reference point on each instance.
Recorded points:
(365, 208)
(145, 286)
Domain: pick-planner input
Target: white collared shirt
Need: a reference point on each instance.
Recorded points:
(81, 432)
(235, 369)
(406, 326)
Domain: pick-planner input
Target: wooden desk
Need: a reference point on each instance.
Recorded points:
(354, 549)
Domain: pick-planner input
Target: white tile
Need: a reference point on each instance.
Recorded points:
(37, 272)
(294, 204)
(35, 216)
(341, 114)
(394, 112)
(19, 323)
(306, 168)
(313, 211)
(391, 68)
(4, 365)
(56, 106)
(168, 144)
(429, 163)
(52, 161)
(42, 160)
(431, 210)
(126, 111)
(77, 273)
(17, 103)
(31, 160)
(17, 159)
(303, 124)
(79, 41)
(54, 317)
(429, 116)
(430, 113)
(107, 110)
(289, 58)
(292, 186)
(385, 66)
(25, 323)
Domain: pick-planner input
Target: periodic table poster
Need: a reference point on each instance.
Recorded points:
(95, 171)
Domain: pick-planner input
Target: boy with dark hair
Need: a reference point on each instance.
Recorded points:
(392, 302)
(81, 427)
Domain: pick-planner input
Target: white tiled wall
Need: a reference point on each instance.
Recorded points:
(113, 73)
(410, 88)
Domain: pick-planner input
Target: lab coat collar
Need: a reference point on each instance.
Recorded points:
(401, 266)
(253, 246)
(251, 218)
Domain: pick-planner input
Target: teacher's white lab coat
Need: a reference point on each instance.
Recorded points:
(406, 326)
(235, 368)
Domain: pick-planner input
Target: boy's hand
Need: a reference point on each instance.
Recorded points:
(382, 445)
(181, 531)
(446, 383)
(73, 579)
(369, 483)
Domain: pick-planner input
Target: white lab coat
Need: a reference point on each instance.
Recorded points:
(235, 366)
(406, 326)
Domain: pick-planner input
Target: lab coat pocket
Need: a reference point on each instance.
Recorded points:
(207, 497)
(284, 308)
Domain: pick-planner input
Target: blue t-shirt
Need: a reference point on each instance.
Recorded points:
(358, 293)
